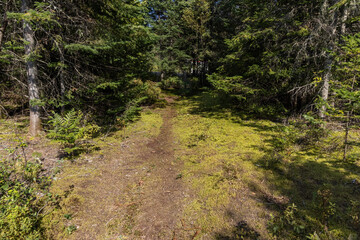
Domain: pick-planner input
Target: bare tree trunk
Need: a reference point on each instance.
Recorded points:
(62, 84)
(31, 70)
(61, 76)
(326, 86)
(3, 27)
(345, 17)
(328, 60)
(332, 19)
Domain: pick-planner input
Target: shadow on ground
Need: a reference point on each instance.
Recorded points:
(241, 231)
(323, 188)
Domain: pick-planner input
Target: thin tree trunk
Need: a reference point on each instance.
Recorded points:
(62, 89)
(31, 70)
(345, 17)
(329, 61)
(61, 76)
(326, 86)
(3, 27)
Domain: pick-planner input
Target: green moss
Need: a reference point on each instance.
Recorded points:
(268, 166)
(148, 125)
(70, 198)
(242, 171)
(219, 155)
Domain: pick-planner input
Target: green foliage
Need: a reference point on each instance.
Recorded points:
(285, 139)
(314, 130)
(233, 86)
(354, 213)
(66, 129)
(132, 110)
(326, 208)
(346, 87)
(23, 197)
(171, 53)
(71, 229)
(326, 235)
(171, 82)
(18, 218)
(39, 14)
(74, 47)
(151, 91)
(70, 130)
(287, 223)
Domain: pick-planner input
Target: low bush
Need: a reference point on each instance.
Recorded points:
(23, 197)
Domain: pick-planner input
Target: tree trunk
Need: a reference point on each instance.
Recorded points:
(31, 70)
(3, 27)
(62, 88)
(330, 60)
(331, 20)
(345, 17)
(326, 86)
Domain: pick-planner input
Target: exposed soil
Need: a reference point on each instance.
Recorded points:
(133, 189)
(161, 205)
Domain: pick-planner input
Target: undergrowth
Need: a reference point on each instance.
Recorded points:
(24, 195)
(264, 179)
(72, 131)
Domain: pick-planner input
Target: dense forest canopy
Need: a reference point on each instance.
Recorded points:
(78, 69)
(87, 54)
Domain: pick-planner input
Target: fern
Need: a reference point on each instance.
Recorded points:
(67, 129)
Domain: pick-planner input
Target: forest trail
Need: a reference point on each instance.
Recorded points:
(162, 191)
(132, 188)
(176, 173)
(193, 170)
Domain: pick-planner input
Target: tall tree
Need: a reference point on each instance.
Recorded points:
(77, 54)
(32, 73)
(4, 23)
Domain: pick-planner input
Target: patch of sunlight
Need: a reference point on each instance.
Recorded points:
(148, 125)
(219, 155)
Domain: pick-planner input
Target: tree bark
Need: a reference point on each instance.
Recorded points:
(62, 84)
(331, 23)
(3, 27)
(31, 70)
(326, 86)
(329, 61)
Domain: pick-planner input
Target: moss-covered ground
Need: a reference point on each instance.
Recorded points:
(256, 179)
(198, 169)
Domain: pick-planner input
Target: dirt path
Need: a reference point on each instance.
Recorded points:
(161, 204)
(132, 191)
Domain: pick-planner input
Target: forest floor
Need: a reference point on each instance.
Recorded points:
(147, 181)
(196, 169)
